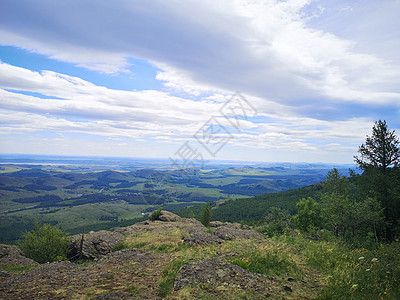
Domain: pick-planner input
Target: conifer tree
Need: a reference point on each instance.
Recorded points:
(206, 215)
(380, 161)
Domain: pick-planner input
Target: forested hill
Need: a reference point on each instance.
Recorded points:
(255, 208)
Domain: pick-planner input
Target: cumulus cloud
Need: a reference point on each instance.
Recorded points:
(308, 67)
(82, 107)
(262, 48)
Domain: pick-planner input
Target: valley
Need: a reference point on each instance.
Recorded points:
(83, 194)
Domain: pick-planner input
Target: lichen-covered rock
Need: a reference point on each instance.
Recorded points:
(201, 238)
(236, 231)
(95, 244)
(12, 255)
(217, 272)
(167, 216)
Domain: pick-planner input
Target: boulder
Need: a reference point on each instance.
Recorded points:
(12, 255)
(167, 216)
(95, 245)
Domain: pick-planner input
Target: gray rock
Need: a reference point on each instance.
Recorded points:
(201, 238)
(95, 245)
(167, 216)
(217, 272)
(12, 255)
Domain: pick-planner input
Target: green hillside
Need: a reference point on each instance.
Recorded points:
(254, 208)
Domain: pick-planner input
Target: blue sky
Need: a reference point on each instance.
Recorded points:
(142, 78)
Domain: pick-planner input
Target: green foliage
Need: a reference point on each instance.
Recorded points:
(15, 269)
(358, 273)
(139, 245)
(349, 213)
(164, 248)
(206, 215)
(133, 290)
(270, 263)
(166, 284)
(352, 273)
(380, 161)
(45, 243)
(253, 209)
(155, 215)
(277, 222)
(381, 150)
(121, 246)
(309, 214)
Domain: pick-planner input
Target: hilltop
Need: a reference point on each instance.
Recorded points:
(173, 258)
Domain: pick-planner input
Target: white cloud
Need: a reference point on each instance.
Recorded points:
(308, 67)
(82, 107)
(262, 48)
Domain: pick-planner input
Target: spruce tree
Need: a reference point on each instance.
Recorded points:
(380, 161)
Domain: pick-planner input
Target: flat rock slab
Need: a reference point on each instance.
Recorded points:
(201, 238)
(217, 272)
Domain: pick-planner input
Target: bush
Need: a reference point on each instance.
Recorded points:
(278, 222)
(45, 243)
(155, 215)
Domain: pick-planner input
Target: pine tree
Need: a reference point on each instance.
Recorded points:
(206, 215)
(380, 161)
(381, 150)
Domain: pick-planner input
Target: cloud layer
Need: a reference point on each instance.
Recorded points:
(309, 68)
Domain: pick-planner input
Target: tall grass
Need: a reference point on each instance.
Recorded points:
(269, 263)
(166, 284)
(354, 273)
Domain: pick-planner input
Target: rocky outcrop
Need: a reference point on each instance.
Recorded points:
(167, 216)
(95, 244)
(12, 255)
(201, 238)
(236, 231)
(217, 272)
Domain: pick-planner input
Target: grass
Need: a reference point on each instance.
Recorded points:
(340, 271)
(325, 269)
(270, 263)
(15, 269)
(166, 283)
(133, 290)
(354, 273)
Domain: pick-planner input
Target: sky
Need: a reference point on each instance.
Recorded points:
(198, 80)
